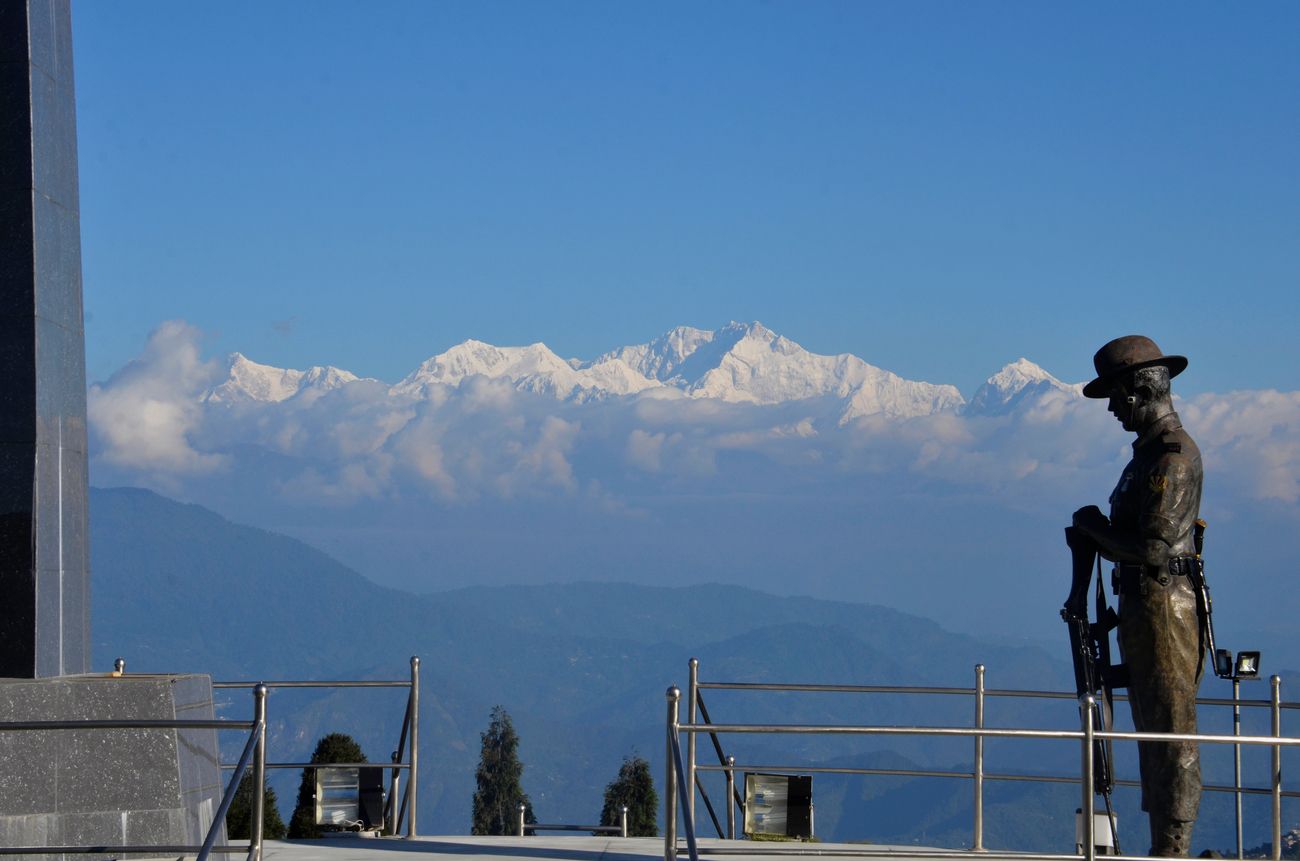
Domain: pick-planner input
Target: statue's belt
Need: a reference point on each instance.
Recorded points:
(1129, 578)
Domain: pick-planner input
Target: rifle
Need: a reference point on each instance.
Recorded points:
(1222, 662)
(1090, 648)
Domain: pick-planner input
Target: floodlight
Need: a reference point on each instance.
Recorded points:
(778, 804)
(1247, 666)
(350, 798)
(338, 792)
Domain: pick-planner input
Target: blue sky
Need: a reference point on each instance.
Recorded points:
(938, 188)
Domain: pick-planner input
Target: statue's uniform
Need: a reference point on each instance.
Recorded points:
(1160, 637)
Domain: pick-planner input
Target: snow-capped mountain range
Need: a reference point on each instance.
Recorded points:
(250, 381)
(738, 363)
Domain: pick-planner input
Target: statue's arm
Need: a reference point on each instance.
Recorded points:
(1170, 503)
(1165, 499)
(1120, 545)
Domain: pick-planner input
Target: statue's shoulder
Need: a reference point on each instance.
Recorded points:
(1177, 445)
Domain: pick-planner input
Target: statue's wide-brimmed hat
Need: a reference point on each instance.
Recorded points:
(1125, 355)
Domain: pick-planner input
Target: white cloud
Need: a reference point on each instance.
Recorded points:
(482, 439)
(145, 413)
(418, 446)
(546, 458)
(643, 449)
(1251, 439)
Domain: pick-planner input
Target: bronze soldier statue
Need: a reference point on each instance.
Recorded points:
(1149, 537)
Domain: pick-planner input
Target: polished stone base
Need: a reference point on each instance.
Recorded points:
(107, 787)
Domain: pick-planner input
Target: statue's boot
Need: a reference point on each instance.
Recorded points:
(1170, 838)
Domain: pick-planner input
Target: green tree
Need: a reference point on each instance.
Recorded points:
(335, 747)
(499, 792)
(239, 817)
(635, 788)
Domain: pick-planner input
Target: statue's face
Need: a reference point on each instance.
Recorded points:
(1140, 398)
(1123, 405)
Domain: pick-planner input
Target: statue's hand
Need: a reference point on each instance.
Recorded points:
(1090, 519)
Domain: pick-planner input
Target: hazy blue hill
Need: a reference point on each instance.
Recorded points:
(178, 586)
(689, 615)
(581, 667)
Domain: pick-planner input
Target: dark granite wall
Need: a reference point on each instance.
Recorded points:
(44, 567)
(99, 787)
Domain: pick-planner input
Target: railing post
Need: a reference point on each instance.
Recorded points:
(1236, 758)
(978, 841)
(622, 821)
(259, 775)
(393, 785)
(692, 705)
(1276, 708)
(674, 696)
(731, 797)
(414, 779)
(523, 811)
(1086, 706)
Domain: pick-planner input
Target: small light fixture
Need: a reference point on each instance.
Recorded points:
(779, 804)
(1247, 666)
(350, 798)
(338, 800)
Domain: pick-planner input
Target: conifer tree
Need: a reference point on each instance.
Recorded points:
(335, 747)
(499, 791)
(239, 817)
(635, 788)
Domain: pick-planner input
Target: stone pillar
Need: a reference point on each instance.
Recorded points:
(44, 569)
(83, 787)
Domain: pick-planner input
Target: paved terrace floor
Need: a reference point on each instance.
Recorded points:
(455, 848)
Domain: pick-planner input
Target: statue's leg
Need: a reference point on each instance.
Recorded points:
(1160, 640)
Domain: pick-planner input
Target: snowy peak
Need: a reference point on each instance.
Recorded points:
(662, 358)
(753, 364)
(739, 363)
(250, 381)
(1017, 384)
(471, 358)
(749, 363)
(533, 368)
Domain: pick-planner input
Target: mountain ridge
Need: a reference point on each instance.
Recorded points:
(737, 363)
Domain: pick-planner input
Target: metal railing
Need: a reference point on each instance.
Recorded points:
(254, 753)
(698, 721)
(400, 760)
(524, 827)
(254, 750)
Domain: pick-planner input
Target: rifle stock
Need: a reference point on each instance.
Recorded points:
(1090, 649)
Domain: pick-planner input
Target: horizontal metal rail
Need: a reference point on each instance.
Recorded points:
(832, 689)
(973, 732)
(401, 766)
(39, 725)
(951, 691)
(316, 684)
(523, 827)
(119, 850)
(969, 775)
(870, 851)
